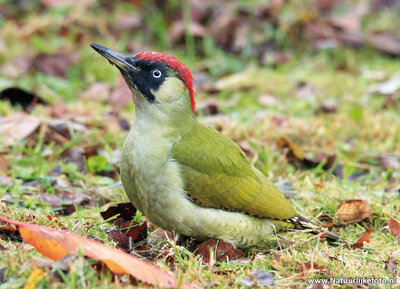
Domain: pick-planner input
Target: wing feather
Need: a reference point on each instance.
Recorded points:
(218, 174)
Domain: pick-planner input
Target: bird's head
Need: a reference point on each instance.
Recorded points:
(157, 80)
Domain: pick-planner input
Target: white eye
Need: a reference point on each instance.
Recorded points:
(156, 73)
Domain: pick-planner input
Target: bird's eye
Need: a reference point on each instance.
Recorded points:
(156, 73)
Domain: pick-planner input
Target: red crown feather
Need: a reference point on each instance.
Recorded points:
(173, 63)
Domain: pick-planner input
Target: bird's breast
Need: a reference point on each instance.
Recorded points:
(150, 177)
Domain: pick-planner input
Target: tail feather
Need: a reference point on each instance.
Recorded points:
(302, 222)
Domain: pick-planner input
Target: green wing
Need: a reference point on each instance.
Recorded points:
(218, 174)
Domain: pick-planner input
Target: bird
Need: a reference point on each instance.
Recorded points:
(184, 176)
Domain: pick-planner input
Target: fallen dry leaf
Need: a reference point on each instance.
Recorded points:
(4, 164)
(17, 126)
(223, 251)
(394, 227)
(298, 157)
(57, 244)
(353, 211)
(366, 237)
(125, 211)
(121, 240)
(128, 233)
(134, 230)
(297, 152)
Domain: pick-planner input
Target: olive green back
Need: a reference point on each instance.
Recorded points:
(218, 174)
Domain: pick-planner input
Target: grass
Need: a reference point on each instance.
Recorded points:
(357, 133)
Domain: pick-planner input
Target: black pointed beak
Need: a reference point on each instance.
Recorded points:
(114, 57)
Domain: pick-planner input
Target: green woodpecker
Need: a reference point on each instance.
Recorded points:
(184, 176)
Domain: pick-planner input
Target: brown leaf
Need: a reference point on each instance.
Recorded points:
(296, 151)
(366, 237)
(298, 157)
(17, 126)
(223, 251)
(120, 238)
(57, 244)
(55, 64)
(329, 160)
(8, 229)
(134, 230)
(353, 211)
(394, 227)
(4, 164)
(125, 211)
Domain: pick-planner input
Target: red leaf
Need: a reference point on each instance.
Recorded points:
(56, 244)
(224, 251)
(366, 237)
